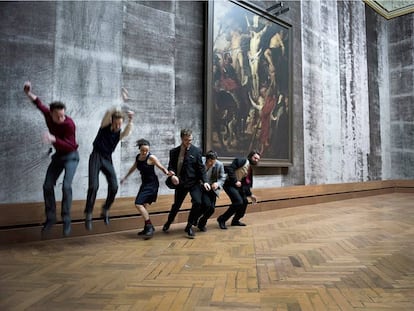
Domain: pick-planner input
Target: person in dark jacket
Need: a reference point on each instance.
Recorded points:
(216, 178)
(187, 173)
(238, 187)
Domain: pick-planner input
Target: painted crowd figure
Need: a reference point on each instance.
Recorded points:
(238, 187)
(100, 160)
(187, 173)
(62, 135)
(145, 163)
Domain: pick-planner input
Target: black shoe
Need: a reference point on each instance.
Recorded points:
(166, 226)
(190, 232)
(48, 225)
(221, 223)
(105, 216)
(238, 223)
(149, 231)
(201, 224)
(88, 222)
(202, 228)
(66, 228)
(141, 232)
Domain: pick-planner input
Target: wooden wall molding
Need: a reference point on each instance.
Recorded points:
(22, 222)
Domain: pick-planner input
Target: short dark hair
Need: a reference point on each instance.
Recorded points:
(142, 142)
(252, 153)
(211, 155)
(57, 106)
(186, 132)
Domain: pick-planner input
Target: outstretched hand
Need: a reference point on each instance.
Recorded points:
(27, 87)
(130, 114)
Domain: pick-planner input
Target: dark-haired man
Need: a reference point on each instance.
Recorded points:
(100, 160)
(216, 178)
(66, 158)
(238, 187)
(187, 172)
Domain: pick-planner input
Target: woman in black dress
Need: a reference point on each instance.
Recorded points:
(145, 162)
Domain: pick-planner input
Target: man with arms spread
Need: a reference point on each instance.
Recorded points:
(62, 136)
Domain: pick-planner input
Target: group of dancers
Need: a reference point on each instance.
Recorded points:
(188, 171)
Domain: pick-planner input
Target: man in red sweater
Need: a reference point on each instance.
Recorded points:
(62, 136)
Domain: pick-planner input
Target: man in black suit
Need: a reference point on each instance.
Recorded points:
(238, 187)
(188, 173)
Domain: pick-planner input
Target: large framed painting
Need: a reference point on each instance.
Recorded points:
(248, 101)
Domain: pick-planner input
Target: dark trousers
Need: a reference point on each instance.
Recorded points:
(179, 196)
(238, 205)
(208, 204)
(98, 163)
(69, 163)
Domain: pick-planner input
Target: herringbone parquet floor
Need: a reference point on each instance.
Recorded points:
(347, 255)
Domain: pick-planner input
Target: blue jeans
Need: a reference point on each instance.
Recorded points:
(99, 163)
(69, 163)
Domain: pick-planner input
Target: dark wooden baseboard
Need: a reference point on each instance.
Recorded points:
(22, 222)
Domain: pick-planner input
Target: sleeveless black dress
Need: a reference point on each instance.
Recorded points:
(149, 187)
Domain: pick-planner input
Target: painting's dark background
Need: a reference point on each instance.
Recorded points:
(352, 87)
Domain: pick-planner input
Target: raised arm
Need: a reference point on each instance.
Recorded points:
(107, 119)
(28, 90)
(128, 128)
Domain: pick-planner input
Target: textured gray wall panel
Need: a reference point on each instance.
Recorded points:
(148, 75)
(336, 122)
(322, 139)
(189, 69)
(401, 68)
(313, 92)
(353, 95)
(26, 49)
(376, 46)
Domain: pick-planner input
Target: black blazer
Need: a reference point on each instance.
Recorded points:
(192, 170)
(231, 175)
